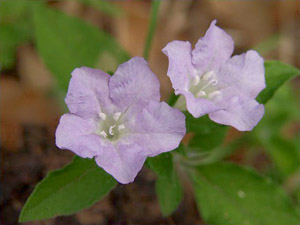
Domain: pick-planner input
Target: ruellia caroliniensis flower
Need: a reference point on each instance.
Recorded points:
(212, 82)
(118, 119)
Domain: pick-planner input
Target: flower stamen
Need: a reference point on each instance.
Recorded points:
(110, 130)
(121, 127)
(201, 94)
(209, 75)
(214, 94)
(212, 82)
(102, 116)
(103, 133)
(117, 116)
(195, 80)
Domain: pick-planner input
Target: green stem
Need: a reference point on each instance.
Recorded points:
(152, 26)
(173, 99)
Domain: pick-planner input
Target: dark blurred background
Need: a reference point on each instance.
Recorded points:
(31, 102)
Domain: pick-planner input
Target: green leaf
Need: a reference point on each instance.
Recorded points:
(66, 42)
(15, 29)
(168, 187)
(269, 44)
(209, 141)
(281, 113)
(12, 35)
(162, 164)
(285, 154)
(227, 194)
(277, 73)
(201, 125)
(12, 11)
(104, 6)
(169, 193)
(207, 134)
(152, 26)
(283, 109)
(66, 191)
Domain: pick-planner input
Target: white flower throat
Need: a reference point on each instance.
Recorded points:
(201, 86)
(110, 125)
(205, 86)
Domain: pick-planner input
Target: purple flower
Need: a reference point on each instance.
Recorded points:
(118, 119)
(210, 82)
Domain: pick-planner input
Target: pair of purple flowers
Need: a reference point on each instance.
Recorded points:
(120, 120)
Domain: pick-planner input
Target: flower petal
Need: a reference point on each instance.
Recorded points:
(123, 161)
(213, 49)
(158, 128)
(180, 63)
(77, 134)
(243, 74)
(199, 106)
(133, 82)
(243, 113)
(88, 91)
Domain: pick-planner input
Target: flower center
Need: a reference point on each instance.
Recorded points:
(110, 126)
(205, 86)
